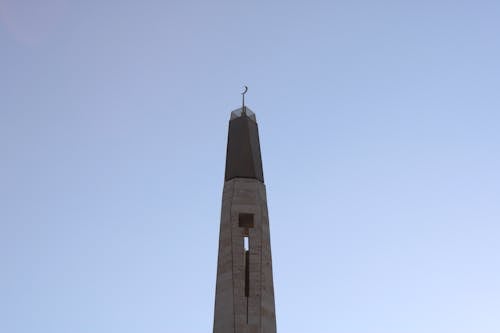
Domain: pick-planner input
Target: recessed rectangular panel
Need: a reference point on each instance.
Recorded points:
(245, 220)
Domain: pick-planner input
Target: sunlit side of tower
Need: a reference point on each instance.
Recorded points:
(244, 296)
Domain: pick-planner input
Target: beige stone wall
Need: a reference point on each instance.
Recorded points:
(234, 312)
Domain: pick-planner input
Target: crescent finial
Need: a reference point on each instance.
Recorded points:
(243, 97)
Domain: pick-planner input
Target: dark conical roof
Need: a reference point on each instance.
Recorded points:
(243, 159)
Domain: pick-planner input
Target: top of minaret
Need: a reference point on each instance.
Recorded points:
(239, 112)
(243, 159)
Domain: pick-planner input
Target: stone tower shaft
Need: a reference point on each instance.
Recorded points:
(244, 300)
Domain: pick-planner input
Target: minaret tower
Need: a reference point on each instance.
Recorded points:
(244, 296)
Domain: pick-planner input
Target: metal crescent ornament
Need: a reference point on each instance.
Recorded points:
(243, 108)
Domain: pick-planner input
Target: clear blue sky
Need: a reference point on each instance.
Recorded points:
(380, 133)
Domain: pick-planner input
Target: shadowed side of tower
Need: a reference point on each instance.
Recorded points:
(244, 296)
(243, 158)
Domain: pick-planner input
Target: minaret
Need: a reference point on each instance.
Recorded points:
(244, 296)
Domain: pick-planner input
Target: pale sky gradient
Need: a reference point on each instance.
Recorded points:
(380, 133)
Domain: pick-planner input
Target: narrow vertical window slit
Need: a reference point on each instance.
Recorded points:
(246, 222)
(247, 271)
